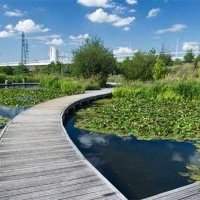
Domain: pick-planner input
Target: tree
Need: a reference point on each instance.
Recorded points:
(178, 61)
(159, 70)
(93, 59)
(189, 56)
(166, 58)
(55, 68)
(196, 62)
(140, 66)
(6, 70)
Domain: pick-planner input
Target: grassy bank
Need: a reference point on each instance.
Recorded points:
(147, 111)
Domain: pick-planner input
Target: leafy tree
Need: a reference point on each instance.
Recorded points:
(166, 58)
(178, 61)
(159, 70)
(189, 56)
(55, 68)
(93, 59)
(196, 62)
(140, 66)
(6, 70)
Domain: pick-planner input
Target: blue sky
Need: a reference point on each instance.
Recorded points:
(123, 25)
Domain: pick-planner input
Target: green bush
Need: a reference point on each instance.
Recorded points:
(2, 78)
(7, 70)
(21, 69)
(93, 59)
(189, 56)
(159, 69)
(70, 87)
(140, 67)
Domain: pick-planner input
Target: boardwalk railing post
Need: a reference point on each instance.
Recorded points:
(6, 83)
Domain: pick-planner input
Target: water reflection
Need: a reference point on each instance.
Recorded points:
(137, 168)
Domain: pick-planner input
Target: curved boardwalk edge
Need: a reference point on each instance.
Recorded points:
(188, 192)
(39, 161)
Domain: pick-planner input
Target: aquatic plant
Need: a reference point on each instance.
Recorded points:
(147, 111)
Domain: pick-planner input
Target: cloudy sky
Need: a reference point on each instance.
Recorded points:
(123, 25)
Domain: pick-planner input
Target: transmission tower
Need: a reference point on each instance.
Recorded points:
(24, 49)
(27, 51)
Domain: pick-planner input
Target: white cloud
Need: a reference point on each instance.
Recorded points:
(54, 39)
(14, 13)
(194, 46)
(153, 12)
(27, 26)
(132, 10)
(126, 28)
(131, 2)
(119, 9)
(94, 3)
(6, 34)
(101, 16)
(78, 39)
(121, 22)
(173, 29)
(55, 42)
(123, 52)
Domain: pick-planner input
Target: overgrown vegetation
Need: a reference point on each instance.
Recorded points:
(148, 111)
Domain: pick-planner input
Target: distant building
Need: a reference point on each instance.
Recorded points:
(53, 55)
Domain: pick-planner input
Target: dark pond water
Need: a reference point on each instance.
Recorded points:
(137, 168)
(10, 112)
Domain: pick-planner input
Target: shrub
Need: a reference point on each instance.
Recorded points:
(2, 78)
(140, 67)
(21, 69)
(166, 58)
(159, 70)
(70, 87)
(6, 70)
(51, 82)
(189, 56)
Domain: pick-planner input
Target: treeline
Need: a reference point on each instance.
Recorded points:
(93, 60)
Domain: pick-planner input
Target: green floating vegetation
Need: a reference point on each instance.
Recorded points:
(50, 87)
(147, 111)
(30, 97)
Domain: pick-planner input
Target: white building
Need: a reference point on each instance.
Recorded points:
(53, 54)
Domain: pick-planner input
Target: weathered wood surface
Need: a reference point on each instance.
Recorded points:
(39, 161)
(189, 192)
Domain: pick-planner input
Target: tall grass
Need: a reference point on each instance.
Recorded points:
(174, 90)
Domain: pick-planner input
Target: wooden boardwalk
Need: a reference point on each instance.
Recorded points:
(39, 161)
(189, 192)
